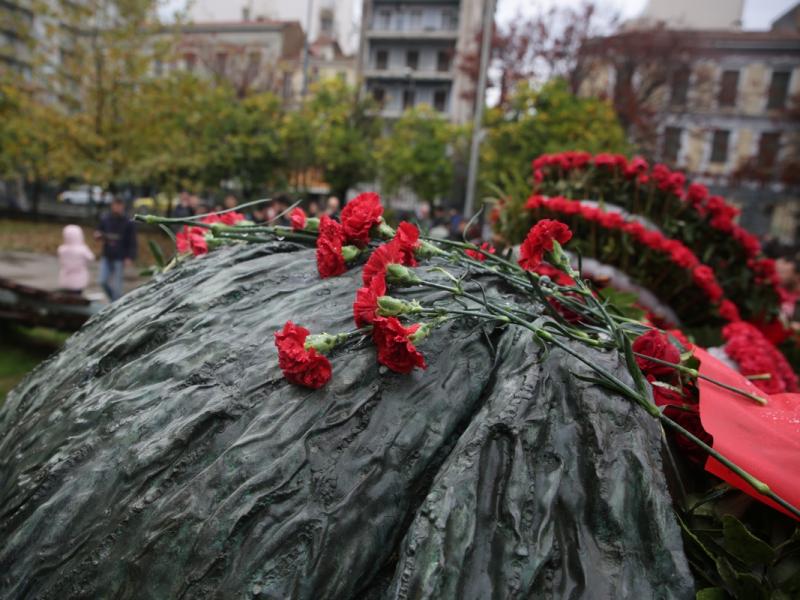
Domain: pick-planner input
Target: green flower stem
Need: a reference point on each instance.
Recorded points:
(464, 313)
(695, 373)
(192, 219)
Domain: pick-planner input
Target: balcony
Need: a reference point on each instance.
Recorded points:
(416, 34)
(406, 74)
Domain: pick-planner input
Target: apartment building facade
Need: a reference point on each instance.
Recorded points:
(728, 113)
(409, 54)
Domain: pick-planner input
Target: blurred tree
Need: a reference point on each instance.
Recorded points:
(551, 119)
(417, 154)
(90, 68)
(344, 128)
(31, 146)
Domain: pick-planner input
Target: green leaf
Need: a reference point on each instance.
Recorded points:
(742, 544)
(714, 593)
(155, 250)
(744, 586)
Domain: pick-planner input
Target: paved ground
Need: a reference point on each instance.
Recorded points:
(41, 271)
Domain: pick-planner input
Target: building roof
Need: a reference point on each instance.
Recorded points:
(258, 24)
(714, 40)
(788, 21)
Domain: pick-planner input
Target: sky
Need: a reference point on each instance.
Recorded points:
(758, 14)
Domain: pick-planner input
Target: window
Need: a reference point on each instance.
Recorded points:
(412, 59)
(719, 146)
(768, 146)
(222, 63)
(408, 98)
(415, 21)
(440, 100)
(679, 88)
(778, 88)
(253, 62)
(379, 94)
(189, 61)
(672, 144)
(326, 21)
(728, 87)
(443, 61)
(449, 19)
(384, 19)
(381, 59)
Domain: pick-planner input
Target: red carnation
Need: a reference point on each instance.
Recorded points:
(656, 345)
(395, 349)
(191, 239)
(330, 261)
(381, 258)
(605, 160)
(231, 218)
(703, 276)
(297, 218)
(540, 240)
(728, 311)
(366, 303)
(636, 166)
(359, 216)
(301, 366)
(696, 194)
(485, 246)
(538, 176)
(407, 240)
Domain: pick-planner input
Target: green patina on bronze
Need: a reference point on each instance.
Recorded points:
(162, 455)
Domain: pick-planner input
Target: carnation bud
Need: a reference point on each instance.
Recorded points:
(423, 331)
(392, 307)
(350, 253)
(426, 250)
(401, 275)
(321, 342)
(560, 258)
(312, 224)
(384, 231)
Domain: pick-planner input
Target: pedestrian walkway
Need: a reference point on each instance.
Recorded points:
(41, 271)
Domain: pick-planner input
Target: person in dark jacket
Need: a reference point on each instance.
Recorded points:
(118, 234)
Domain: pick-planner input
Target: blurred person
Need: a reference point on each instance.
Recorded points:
(456, 224)
(118, 234)
(258, 214)
(313, 208)
(184, 208)
(74, 257)
(439, 226)
(281, 203)
(230, 202)
(332, 207)
(423, 215)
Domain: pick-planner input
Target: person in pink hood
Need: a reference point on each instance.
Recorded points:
(74, 257)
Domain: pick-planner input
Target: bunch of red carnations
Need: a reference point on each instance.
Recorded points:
(195, 239)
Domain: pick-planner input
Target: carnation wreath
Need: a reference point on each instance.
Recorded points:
(688, 213)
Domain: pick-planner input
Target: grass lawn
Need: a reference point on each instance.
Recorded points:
(21, 349)
(43, 237)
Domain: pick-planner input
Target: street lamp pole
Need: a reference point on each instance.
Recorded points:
(480, 99)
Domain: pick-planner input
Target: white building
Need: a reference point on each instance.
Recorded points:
(329, 18)
(410, 51)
